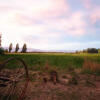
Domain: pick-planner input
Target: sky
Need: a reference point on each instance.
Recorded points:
(51, 24)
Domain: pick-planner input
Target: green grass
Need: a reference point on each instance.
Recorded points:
(59, 60)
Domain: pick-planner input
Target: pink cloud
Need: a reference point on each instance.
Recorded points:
(95, 15)
(87, 3)
(74, 24)
(5, 8)
(93, 11)
(38, 10)
(57, 8)
(49, 12)
(24, 20)
(77, 24)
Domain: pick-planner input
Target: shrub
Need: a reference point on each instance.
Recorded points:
(1, 51)
(92, 50)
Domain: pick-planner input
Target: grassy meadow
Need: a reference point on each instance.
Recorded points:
(55, 60)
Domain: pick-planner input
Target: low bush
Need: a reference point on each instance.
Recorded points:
(92, 50)
(91, 67)
(1, 51)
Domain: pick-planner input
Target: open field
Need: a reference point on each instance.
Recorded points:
(71, 73)
(60, 60)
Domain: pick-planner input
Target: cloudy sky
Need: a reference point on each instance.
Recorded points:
(51, 24)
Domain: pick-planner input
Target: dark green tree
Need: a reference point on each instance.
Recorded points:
(24, 49)
(1, 51)
(17, 47)
(10, 47)
(92, 50)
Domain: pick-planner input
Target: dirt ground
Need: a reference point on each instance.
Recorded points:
(69, 87)
(65, 86)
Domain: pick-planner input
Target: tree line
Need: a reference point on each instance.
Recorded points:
(24, 48)
(89, 50)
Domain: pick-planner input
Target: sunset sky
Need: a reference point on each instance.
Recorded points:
(51, 24)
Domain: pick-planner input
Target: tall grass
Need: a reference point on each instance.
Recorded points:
(59, 60)
(91, 66)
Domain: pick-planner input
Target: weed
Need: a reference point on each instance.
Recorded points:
(91, 67)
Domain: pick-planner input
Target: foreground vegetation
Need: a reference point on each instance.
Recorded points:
(55, 60)
(58, 76)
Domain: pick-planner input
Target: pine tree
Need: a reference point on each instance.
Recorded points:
(10, 47)
(17, 47)
(24, 49)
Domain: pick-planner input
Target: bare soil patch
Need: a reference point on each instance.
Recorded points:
(62, 86)
(69, 87)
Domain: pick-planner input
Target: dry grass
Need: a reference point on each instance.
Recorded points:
(91, 65)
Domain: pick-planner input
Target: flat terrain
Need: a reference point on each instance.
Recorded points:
(60, 60)
(87, 88)
(77, 75)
